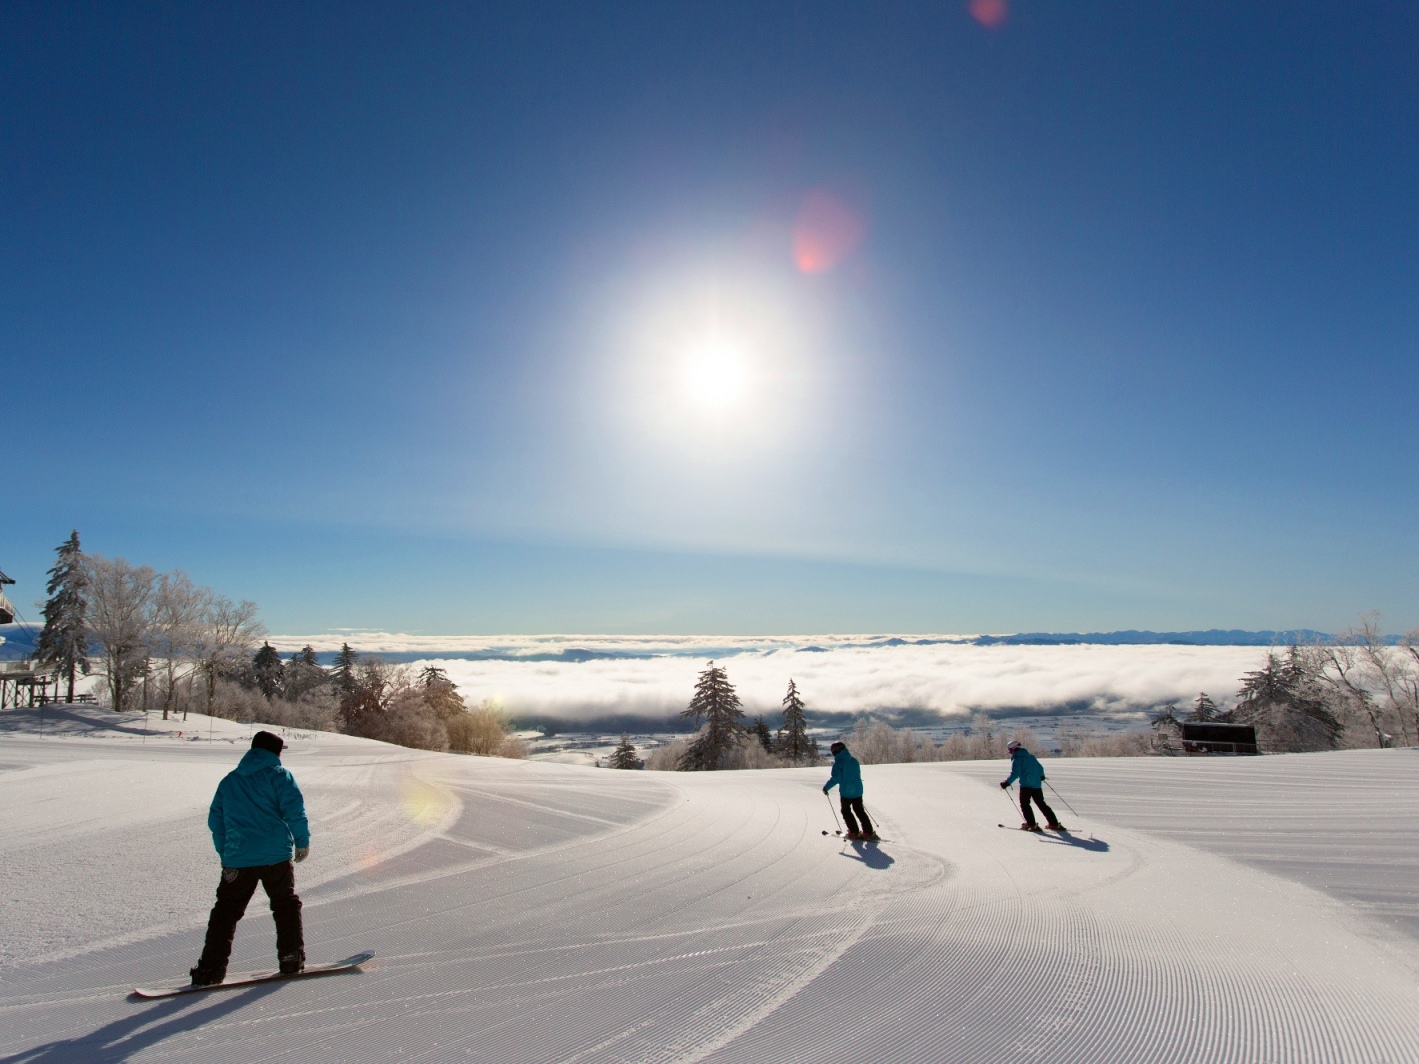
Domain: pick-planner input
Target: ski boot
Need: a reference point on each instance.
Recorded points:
(1032, 827)
(206, 977)
(1056, 827)
(855, 836)
(870, 836)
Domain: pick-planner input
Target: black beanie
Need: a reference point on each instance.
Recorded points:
(264, 740)
(836, 747)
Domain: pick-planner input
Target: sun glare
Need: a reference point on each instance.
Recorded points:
(716, 375)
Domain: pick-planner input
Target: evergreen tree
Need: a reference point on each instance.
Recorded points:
(267, 670)
(624, 755)
(64, 640)
(794, 742)
(440, 693)
(716, 704)
(1204, 709)
(1287, 704)
(762, 733)
(302, 674)
(342, 673)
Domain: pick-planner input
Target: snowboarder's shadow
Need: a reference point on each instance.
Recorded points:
(871, 856)
(1091, 843)
(131, 1035)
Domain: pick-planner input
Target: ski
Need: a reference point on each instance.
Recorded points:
(1037, 831)
(253, 978)
(844, 838)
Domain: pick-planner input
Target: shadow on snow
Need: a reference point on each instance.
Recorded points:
(871, 856)
(123, 1038)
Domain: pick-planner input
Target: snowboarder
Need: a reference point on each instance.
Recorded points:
(847, 777)
(1026, 767)
(256, 817)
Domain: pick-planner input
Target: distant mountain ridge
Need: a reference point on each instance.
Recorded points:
(19, 641)
(1212, 637)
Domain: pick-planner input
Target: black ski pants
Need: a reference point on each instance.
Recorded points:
(854, 805)
(1036, 795)
(233, 892)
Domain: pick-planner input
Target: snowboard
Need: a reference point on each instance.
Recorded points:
(253, 978)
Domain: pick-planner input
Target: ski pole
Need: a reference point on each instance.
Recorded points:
(1007, 792)
(834, 812)
(1063, 799)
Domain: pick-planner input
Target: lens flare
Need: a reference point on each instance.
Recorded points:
(425, 804)
(989, 13)
(826, 232)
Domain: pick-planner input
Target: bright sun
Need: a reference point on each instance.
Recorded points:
(715, 375)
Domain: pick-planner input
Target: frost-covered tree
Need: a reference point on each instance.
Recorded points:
(175, 614)
(1375, 684)
(1204, 709)
(117, 597)
(624, 756)
(267, 670)
(717, 706)
(226, 633)
(64, 641)
(793, 742)
(440, 693)
(1286, 703)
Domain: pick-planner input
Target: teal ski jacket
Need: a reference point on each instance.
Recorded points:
(258, 813)
(847, 775)
(1026, 767)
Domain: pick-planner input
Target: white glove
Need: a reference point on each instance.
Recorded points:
(302, 852)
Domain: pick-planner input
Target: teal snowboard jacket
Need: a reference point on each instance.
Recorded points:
(257, 814)
(1026, 767)
(847, 775)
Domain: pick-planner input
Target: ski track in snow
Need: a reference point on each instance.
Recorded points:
(535, 912)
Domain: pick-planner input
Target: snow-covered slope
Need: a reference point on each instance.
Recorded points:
(539, 912)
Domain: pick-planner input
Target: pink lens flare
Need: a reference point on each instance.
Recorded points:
(989, 13)
(826, 232)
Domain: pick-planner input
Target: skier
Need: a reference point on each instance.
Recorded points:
(256, 816)
(847, 777)
(1026, 767)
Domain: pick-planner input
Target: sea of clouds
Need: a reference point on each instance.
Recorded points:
(594, 678)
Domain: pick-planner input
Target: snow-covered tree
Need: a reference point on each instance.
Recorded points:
(117, 598)
(64, 641)
(1285, 702)
(226, 633)
(793, 741)
(440, 693)
(624, 756)
(175, 614)
(1204, 709)
(717, 706)
(1374, 683)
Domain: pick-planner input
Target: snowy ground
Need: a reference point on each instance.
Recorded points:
(1245, 910)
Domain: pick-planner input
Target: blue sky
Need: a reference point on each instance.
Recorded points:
(719, 317)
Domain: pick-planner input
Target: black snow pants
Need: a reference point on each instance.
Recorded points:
(1037, 795)
(851, 805)
(233, 892)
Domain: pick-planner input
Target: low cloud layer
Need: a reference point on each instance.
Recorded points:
(840, 674)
